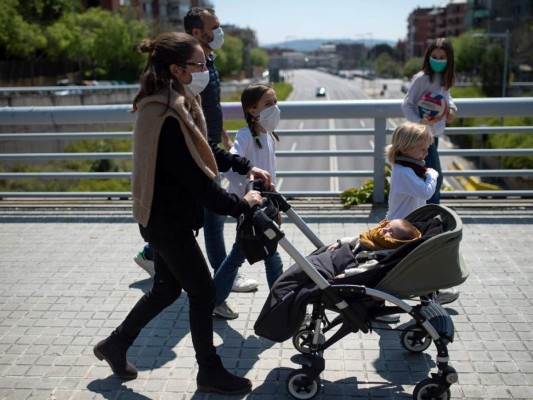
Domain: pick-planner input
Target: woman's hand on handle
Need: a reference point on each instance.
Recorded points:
(253, 197)
(258, 173)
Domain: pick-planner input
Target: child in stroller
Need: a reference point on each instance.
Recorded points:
(416, 268)
(382, 239)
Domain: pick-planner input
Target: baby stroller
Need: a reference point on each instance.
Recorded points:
(415, 269)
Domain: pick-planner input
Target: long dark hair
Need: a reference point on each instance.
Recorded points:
(448, 75)
(249, 98)
(166, 49)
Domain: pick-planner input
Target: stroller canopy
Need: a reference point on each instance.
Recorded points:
(435, 263)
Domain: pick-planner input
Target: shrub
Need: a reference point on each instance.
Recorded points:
(364, 194)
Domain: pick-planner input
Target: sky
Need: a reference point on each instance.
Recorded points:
(277, 21)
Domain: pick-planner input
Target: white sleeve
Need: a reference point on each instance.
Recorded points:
(409, 183)
(352, 241)
(241, 145)
(415, 92)
(449, 99)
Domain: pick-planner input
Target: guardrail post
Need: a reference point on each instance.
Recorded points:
(380, 127)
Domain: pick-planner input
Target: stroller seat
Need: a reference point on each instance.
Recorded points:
(432, 262)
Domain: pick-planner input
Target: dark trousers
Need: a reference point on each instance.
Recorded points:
(433, 161)
(179, 265)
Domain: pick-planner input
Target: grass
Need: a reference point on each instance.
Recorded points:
(466, 92)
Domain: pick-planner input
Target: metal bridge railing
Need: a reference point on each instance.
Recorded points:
(379, 110)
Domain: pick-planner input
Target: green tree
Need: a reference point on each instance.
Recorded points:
(379, 49)
(22, 22)
(229, 57)
(412, 66)
(491, 72)
(258, 57)
(386, 66)
(61, 37)
(468, 51)
(19, 38)
(116, 44)
(102, 43)
(45, 12)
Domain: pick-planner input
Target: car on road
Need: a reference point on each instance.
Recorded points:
(320, 91)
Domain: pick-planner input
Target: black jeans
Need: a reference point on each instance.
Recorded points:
(179, 265)
(433, 161)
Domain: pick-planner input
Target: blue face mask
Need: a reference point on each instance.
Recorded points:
(437, 65)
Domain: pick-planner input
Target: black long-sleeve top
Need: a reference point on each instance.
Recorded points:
(182, 189)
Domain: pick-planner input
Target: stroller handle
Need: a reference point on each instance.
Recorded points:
(287, 209)
(257, 184)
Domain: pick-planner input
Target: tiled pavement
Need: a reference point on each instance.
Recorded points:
(67, 279)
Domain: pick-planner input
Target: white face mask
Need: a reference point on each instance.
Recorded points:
(198, 83)
(269, 118)
(218, 39)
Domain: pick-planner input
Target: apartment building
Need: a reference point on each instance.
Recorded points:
(426, 24)
(497, 16)
(420, 29)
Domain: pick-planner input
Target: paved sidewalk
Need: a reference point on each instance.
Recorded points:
(67, 278)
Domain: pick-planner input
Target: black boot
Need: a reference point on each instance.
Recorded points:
(218, 380)
(113, 350)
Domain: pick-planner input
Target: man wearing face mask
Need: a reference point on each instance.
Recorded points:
(203, 24)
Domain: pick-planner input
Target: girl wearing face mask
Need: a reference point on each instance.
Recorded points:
(173, 179)
(256, 142)
(437, 76)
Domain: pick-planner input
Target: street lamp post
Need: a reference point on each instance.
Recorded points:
(505, 64)
(504, 35)
(365, 67)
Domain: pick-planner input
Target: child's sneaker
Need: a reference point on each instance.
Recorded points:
(225, 311)
(388, 319)
(146, 264)
(446, 296)
(241, 284)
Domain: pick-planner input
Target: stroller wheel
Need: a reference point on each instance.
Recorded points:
(301, 387)
(415, 339)
(431, 389)
(302, 339)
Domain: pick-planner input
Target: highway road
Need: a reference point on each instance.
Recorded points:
(305, 83)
